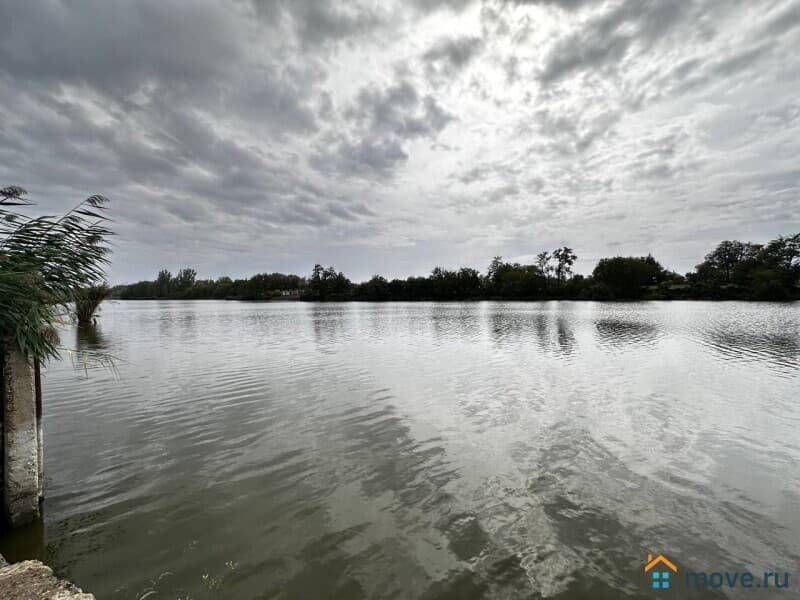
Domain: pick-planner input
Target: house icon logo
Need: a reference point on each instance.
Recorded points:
(659, 568)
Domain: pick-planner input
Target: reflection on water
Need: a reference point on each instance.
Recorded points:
(450, 450)
(91, 351)
(780, 347)
(89, 337)
(543, 324)
(626, 334)
(329, 325)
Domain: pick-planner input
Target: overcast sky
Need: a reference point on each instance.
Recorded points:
(387, 137)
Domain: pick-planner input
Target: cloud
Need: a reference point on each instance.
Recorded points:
(362, 157)
(783, 20)
(562, 4)
(266, 134)
(607, 38)
(377, 126)
(427, 6)
(317, 23)
(116, 48)
(448, 56)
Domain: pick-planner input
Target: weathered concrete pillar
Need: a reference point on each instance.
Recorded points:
(37, 382)
(21, 439)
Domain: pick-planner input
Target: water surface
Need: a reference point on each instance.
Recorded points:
(416, 450)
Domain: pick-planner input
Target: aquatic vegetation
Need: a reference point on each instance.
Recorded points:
(87, 302)
(44, 261)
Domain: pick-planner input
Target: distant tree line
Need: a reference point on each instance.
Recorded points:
(186, 286)
(732, 271)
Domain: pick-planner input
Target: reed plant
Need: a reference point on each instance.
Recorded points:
(45, 262)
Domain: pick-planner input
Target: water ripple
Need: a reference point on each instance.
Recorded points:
(451, 450)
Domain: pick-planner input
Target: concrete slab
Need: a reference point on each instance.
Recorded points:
(32, 580)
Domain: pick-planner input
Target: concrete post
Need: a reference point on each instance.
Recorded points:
(37, 381)
(21, 439)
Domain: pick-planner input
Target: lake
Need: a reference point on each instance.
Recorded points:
(421, 450)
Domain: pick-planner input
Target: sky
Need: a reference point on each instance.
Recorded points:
(391, 137)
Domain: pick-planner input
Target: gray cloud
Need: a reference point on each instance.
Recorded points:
(449, 55)
(783, 19)
(609, 37)
(563, 4)
(266, 134)
(316, 23)
(398, 110)
(381, 121)
(427, 6)
(362, 158)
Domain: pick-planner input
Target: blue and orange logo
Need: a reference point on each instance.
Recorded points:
(660, 569)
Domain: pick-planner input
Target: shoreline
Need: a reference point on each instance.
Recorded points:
(34, 580)
(460, 300)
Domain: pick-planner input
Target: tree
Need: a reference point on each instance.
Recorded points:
(185, 280)
(514, 280)
(496, 273)
(339, 284)
(443, 283)
(376, 289)
(468, 283)
(523, 282)
(745, 270)
(564, 258)
(316, 286)
(782, 252)
(719, 264)
(495, 270)
(543, 262)
(164, 283)
(732, 270)
(326, 283)
(627, 276)
(44, 262)
(772, 272)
